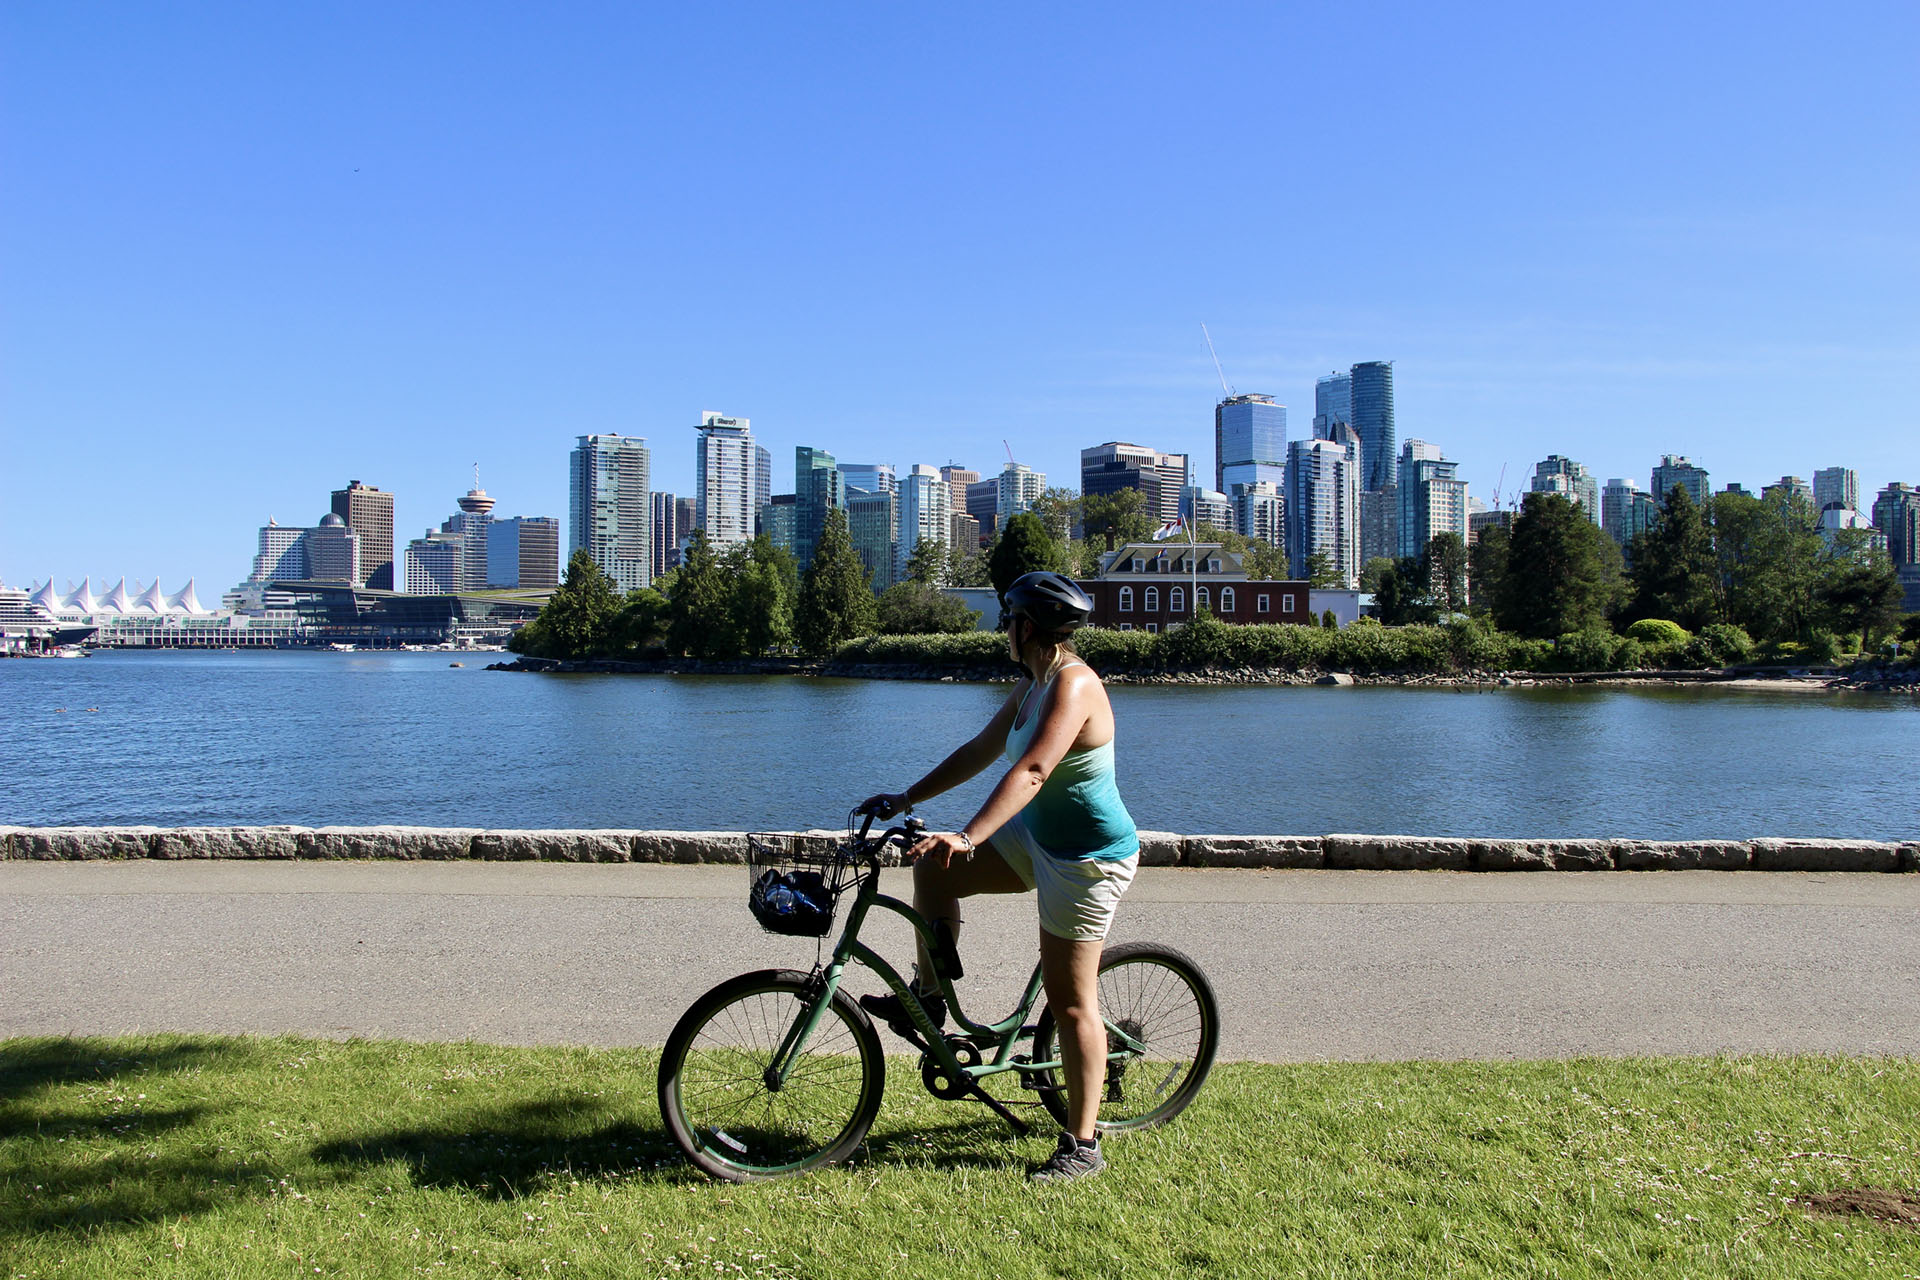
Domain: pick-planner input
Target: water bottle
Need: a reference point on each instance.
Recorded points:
(779, 899)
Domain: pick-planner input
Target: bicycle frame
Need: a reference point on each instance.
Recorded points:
(1003, 1036)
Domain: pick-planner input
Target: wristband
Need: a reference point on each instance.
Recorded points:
(965, 839)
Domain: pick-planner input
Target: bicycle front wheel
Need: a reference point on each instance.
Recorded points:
(726, 1115)
(1159, 998)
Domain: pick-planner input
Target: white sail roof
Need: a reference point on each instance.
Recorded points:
(115, 601)
(184, 601)
(46, 597)
(150, 600)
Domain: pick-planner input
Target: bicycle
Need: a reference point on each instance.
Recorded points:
(779, 1072)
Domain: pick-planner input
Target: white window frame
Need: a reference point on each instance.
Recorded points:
(1150, 600)
(1176, 600)
(1286, 603)
(1213, 564)
(1126, 600)
(1263, 603)
(1154, 628)
(1126, 626)
(1139, 565)
(1226, 601)
(1202, 598)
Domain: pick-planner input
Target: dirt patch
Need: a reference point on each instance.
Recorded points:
(1883, 1204)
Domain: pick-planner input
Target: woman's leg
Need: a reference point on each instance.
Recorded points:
(937, 891)
(1071, 971)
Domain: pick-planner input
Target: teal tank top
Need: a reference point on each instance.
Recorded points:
(1078, 813)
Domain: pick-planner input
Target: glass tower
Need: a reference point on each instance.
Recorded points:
(608, 507)
(730, 480)
(1249, 441)
(1370, 386)
(1433, 498)
(1332, 402)
(818, 487)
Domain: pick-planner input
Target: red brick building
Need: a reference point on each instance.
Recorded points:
(1147, 585)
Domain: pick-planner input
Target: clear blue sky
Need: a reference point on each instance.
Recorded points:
(251, 251)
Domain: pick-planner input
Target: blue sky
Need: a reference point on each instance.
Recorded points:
(250, 252)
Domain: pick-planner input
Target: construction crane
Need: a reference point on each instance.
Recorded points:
(1499, 485)
(1221, 374)
(1009, 449)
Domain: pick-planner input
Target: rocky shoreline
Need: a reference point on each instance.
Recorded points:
(1876, 679)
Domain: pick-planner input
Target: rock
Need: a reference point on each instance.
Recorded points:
(1824, 855)
(1159, 849)
(227, 842)
(689, 846)
(1253, 851)
(1399, 853)
(1340, 678)
(402, 843)
(82, 844)
(1542, 855)
(1910, 857)
(6, 841)
(1682, 855)
(558, 845)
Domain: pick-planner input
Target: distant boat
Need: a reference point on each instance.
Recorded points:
(341, 648)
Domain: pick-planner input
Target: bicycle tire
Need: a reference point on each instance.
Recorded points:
(714, 1097)
(1170, 1005)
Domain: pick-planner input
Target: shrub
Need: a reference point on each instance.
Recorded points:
(1720, 644)
(1590, 650)
(1658, 633)
(1109, 650)
(1823, 646)
(1630, 654)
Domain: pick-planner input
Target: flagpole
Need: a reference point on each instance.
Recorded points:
(1193, 566)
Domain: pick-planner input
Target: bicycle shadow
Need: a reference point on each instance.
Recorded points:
(509, 1152)
(983, 1142)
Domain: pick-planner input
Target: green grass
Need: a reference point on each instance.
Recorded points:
(195, 1156)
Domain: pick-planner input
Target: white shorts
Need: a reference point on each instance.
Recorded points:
(1077, 896)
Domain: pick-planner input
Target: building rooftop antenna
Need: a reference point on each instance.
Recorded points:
(1224, 388)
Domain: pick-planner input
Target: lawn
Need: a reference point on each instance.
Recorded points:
(199, 1156)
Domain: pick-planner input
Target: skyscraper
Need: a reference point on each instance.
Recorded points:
(1675, 470)
(1332, 402)
(983, 504)
(1625, 510)
(818, 487)
(1433, 497)
(608, 504)
(1158, 477)
(1896, 513)
(730, 480)
(282, 556)
(1836, 485)
(873, 522)
(1370, 388)
(333, 551)
(877, 477)
(1259, 511)
(1249, 441)
(433, 563)
(1018, 488)
(926, 511)
(958, 478)
(476, 513)
(1791, 487)
(369, 513)
(1570, 479)
(1322, 506)
(524, 552)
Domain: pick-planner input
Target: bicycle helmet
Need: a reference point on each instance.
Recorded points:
(1052, 601)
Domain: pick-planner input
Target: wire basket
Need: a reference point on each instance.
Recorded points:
(795, 882)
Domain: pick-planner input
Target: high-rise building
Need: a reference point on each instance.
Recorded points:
(1332, 402)
(780, 522)
(964, 531)
(1836, 486)
(1209, 506)
(333, 551)
(1625, 510)
(282, 556)
(926, 513)
(476, 513)
(1570, 479)
(524, 552)
(1379, 522)
(1260, 511)
(1370, 387)
(1322, 506)
(873, 522)
(1791, 487)
(608, 507)
(878, 477)
(1896, 513)
(369, 513)
(434, 562)
(983, 504)
(1478, 522)
(731, 483)
(672, 518)
(1674, 470)
(958, 478)
(1249, 441)
(1158, 477)
(1433, 497)
(818, 487)
(1019, 487)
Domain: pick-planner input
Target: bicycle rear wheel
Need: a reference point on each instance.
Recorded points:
(715, 1097)
(1159, 997)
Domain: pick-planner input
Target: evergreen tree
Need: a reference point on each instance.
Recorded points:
(1321, 572)
(1769, 556)
(967, 567)
(1560, 577)
(1674, 567)
(1268, 563)
(927, 564)
(577, 621)
(836, 596)
(1024, 545)
(1122, 513)
(1443, 571)
(640, 628)
(760, 604)
(699, 613)
(1859, 591)
(1487, 567)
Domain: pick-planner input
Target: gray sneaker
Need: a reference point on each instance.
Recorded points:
(1069, 1160)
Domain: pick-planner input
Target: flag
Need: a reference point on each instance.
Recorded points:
(1168, 530)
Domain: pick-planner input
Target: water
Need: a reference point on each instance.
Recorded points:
(326, 738)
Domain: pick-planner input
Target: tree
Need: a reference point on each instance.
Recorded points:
(1268, 563)
(1328, 621)
(1443, 571)
(1859, 590)
(1389, 594)
(836, 598)
(916, 609)
(1769, 557)
(1059, 511)
(1673, 566)
(699, 612)
(927, 564)
(1023, 546)
(1321, 572)
(1560, 577)
(760, 604)
(966, 567)
(577, 621)
(640, 628)
(1121, 514)
(1487, 567)
(1371, 573)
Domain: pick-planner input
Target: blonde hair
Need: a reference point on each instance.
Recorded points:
(1060, 644)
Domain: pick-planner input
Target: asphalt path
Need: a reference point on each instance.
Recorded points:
(1308, 964)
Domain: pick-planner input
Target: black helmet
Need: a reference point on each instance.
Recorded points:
(1053, 601)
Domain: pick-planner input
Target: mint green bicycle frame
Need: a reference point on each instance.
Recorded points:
(1005, 1033)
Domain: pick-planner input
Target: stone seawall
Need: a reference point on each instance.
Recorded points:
(1158, 849)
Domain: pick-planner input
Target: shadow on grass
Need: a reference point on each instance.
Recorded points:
(973, 1142)
(514, 1151)
(32, 1066)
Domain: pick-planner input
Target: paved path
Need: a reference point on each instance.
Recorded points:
(1309, 964)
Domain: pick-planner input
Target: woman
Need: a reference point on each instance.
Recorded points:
(1054, 824)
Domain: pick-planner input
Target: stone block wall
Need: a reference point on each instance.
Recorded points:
(1157, 849)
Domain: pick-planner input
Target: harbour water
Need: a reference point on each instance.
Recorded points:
(174, 738)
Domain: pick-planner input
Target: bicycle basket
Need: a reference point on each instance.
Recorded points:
(796, 882)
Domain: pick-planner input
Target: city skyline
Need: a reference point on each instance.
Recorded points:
(250, 252)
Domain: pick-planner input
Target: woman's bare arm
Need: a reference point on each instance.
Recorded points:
(1075, 697)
